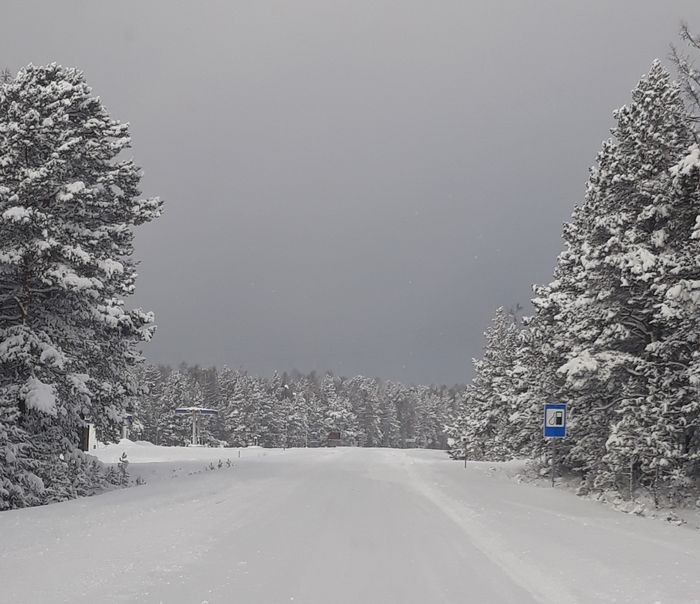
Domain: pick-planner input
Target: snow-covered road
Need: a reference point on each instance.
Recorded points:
(336, 526)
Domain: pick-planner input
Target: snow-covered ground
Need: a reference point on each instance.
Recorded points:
(336, 526)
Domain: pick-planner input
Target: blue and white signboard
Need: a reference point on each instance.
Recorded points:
(555, 420)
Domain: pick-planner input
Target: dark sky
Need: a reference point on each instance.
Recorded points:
(351, 185)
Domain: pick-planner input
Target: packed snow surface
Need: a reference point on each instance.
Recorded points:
(337, 526)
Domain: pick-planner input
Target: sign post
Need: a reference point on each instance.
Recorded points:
(196, 413)
(554, 428)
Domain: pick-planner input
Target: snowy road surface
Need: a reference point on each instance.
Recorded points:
(336, 526)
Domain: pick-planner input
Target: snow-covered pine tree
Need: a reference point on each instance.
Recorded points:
(297, 420)
(423, 423)
(68, 205)
(249, 431)
(20, 485)
(338, 415)
(315, 415)
(627, 247)
(455, 427)
(438, 405)
(388, 418)
(231, 393)
(489, 398)
(533, 381)
(173, 429)
(404, 400)
(5, 76)
(363, 393)
(656, 434)
(272, 412)
(149, 404)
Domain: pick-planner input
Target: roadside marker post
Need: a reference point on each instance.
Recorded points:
(554, 427)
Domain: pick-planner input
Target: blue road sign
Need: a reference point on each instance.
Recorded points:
(555, 420)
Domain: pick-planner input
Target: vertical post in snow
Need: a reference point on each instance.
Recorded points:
(464, 450)
(194, 428)
(239, 453)
(554, 459)
(631, 477)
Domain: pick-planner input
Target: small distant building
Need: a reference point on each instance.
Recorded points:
(334, 438)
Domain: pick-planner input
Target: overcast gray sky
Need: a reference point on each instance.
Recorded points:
(351, 185)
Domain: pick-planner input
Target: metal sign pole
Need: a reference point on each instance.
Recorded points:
(554, 428)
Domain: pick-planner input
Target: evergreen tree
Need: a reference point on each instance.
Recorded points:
(68, 206)
(629, 249)
(389, 427)
(338, 416)
(489, 398)
(364, 393)
(149, 407)
(174, 429)
(297, 428)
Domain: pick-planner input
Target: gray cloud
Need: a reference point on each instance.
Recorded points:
(350, 185)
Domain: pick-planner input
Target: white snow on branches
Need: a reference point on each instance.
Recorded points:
(16, 214)
(689, 163)
(70, 190)
(111, 267)
(578, 365)
(40, 396)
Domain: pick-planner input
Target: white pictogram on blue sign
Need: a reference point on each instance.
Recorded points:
(555, 420)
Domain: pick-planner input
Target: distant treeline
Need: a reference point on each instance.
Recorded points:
(291, 409)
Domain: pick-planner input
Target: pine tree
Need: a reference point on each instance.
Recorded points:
(388, 419)
(629, 247)
(68, 206)
(230, 388)
(364, 395)
(174, 429)
(338, 416)
(315, 414)
(272, 412)
(148, 407)
(488, 405)
(297, 428)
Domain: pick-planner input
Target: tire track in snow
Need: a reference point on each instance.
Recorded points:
(539, 585)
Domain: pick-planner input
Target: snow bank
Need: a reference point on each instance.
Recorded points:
(153, 463)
